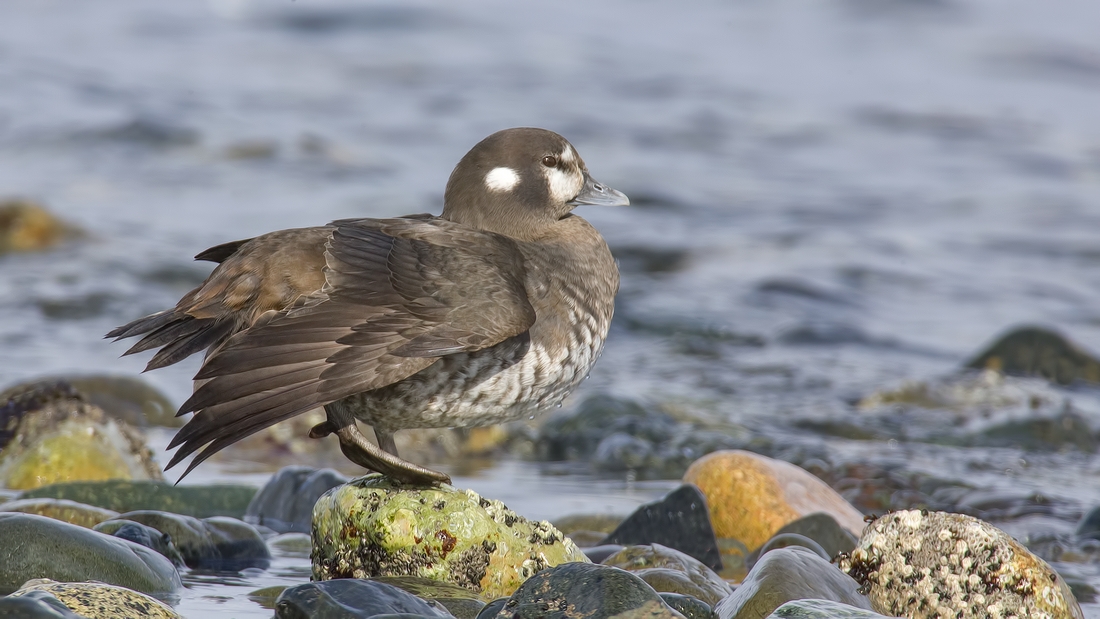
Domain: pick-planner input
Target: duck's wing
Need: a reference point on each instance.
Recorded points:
(255, 276)
(399, 294)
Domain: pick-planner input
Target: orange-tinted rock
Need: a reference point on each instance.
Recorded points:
(751, 497)
(26, 226)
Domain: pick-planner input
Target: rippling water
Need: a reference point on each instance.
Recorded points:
(829, 198)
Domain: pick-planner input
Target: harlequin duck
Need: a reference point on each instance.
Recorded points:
(492, 311)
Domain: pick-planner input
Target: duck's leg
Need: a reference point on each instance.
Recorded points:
(366, 454)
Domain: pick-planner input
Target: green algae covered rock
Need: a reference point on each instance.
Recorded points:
(96, 600)
(373, 526)
(127, 496)
(82, 515)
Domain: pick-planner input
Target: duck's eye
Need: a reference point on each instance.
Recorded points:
(550, 161)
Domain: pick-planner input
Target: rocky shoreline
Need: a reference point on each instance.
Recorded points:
(755, 531)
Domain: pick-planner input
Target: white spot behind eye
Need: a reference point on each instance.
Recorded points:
(563, 185)
(501, 179)
(567, 155)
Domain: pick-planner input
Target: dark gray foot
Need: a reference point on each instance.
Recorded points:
(368, 455)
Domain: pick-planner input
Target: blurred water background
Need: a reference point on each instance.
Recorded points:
(829, 198)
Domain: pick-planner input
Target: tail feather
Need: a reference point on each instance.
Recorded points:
(209, 336)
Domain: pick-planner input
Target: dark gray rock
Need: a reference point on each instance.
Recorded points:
(823, 529)
(39, 547)
(1036, 351)
(786, 540)
(689, 607)
(285, 503)
(581, 590)
(458, 601)
(142, 534)
(217, 543)
(597, 554)
(821, 609)
(1089, 526)
(351, 598)
(670, 571)
(787, 574)
(680, 520)
(575, 435)
(35, 605)
(492, 609)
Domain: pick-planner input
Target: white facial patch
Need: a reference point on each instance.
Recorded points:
(567, 155)
(501, 179)
(564, 185)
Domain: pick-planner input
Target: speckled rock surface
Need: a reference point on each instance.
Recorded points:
(99, 601)
(82, 515)
(375, 527)
(50, 434)
(671, 571)
(582, 591)
(788, 574)
(39, 547)
(821, 609)
(936, 564)
(128, 398)
(752, 496)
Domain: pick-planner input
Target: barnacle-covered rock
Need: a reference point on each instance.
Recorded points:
(935, 564)
(373, 526)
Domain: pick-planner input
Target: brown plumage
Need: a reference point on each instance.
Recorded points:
(494, 310)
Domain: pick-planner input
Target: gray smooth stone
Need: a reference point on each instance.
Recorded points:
(285, 503)
(39, 547)
(821, 609)
(786, 574)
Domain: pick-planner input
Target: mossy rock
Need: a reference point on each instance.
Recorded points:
(39, 547)
(50, 434)
(96, 600)
(128, 398)
(373, 526)
(127, 496)
(87, 516)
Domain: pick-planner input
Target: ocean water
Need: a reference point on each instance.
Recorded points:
(829, 198)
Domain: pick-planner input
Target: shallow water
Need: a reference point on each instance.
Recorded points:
(828, 199)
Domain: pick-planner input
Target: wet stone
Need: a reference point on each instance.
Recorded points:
(145, 535)
(821, 609)
(50, 434)
(787, 574)
(127, 496)
(38, 547)
(349, 598)
(689, 607)
(461, 603)
(680, 520)
(374, 526)
(823, 529)
(122, 397)
(1036, 351)
(786, 540)
(285, 503)
(296, 545)
(86, 516)
(582, 590)
(216, 543)
(671, 571)
(925, 564)
(36, 605)
(99, 601)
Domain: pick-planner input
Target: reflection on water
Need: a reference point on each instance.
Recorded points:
(827, 200)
